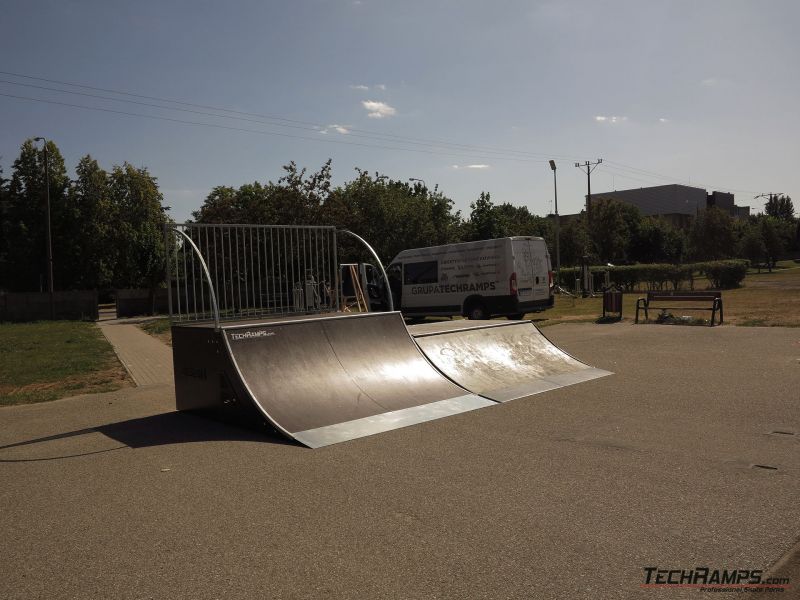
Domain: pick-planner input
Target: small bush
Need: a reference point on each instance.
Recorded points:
(724, 274)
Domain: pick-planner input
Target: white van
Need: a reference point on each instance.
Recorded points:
(502, 277)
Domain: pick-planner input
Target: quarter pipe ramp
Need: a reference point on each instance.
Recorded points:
(319, 380)
(500, 360)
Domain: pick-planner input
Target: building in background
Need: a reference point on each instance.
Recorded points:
(676, 203)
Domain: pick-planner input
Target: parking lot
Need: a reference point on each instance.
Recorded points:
(688, 456)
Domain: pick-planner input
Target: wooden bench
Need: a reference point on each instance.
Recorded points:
(715, 298)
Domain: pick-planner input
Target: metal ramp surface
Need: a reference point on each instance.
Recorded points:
(500, 360)
(318, 380)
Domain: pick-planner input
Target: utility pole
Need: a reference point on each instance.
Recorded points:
(588, 167)
(49, 234)
(769, 196)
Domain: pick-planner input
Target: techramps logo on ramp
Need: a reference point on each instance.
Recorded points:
(252, 335)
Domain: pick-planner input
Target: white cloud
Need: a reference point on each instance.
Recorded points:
(359, 87)
(343, 129)
(381, 87)
(474, 166)
(710, 82)
(610, 119)
(378, 110)
(663, 120)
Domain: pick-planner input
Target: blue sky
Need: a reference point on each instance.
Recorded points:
(664, 92)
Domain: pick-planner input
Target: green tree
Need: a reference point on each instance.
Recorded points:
(711, 235)
(773, 244)
(609, 229)
(92, 216)
(25, 264)
(751, 244)
(574, 240)
(780, 207)
(392, 215)
(485, 221)
(139, 235)
(656, 241)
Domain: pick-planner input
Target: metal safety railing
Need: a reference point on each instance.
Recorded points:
(228, 272)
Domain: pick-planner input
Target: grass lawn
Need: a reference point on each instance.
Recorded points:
(47, 360)
(765, 299)
(159, 329)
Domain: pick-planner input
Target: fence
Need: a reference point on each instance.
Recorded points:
(135, 302)
(35, 306)
(227, 272)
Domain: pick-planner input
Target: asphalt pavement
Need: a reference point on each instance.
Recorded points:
(688, 456)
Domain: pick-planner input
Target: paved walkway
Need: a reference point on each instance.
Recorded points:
(148, 360)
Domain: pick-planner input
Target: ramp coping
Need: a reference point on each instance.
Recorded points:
(380, 423)
(470, 328)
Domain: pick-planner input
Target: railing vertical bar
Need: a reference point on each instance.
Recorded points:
(174, 258)
(253, 256)
(167, 265)
(272, 260)
(200, 233)
(185, 277)
(292, 261)
(336, 267)
(216, 266)
(238, 272)
(260, 290)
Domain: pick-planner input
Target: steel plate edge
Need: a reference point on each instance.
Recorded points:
(388, 421)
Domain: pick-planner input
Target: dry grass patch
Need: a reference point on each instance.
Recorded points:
(48, 360)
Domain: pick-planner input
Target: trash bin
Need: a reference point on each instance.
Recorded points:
(612, 302)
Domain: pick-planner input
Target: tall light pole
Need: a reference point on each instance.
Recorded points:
(49, 234)
(558, 224)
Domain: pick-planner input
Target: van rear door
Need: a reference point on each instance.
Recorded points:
(524, 267)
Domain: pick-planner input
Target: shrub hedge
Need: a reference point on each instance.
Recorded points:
(721, 274)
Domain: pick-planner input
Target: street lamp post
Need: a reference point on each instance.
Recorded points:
(558, 224)
(422, 181)
(50, 288)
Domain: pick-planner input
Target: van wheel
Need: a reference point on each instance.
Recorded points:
(477, 312)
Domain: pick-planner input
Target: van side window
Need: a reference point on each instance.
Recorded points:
(421, 272)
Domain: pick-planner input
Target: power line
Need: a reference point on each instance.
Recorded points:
(589, 167)
(466, 150)
(392, 137)
(262, 132)
(314, 129)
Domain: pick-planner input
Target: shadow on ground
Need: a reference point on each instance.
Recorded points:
(156, 430)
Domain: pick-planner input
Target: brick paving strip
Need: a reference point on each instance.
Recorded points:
(148, 360)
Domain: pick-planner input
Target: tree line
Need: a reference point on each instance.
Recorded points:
(107, 226)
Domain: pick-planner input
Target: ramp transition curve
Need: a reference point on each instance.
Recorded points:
(500, 360)
(319, 380)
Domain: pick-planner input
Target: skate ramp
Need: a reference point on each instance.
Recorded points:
(500, 360)
(326, 380)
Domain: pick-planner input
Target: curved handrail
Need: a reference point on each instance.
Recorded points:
(380, 265)
(208, 276)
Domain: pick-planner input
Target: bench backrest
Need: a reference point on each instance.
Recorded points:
(678, 295)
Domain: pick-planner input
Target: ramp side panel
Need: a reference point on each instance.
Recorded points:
(502, 361)
(293, 374)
